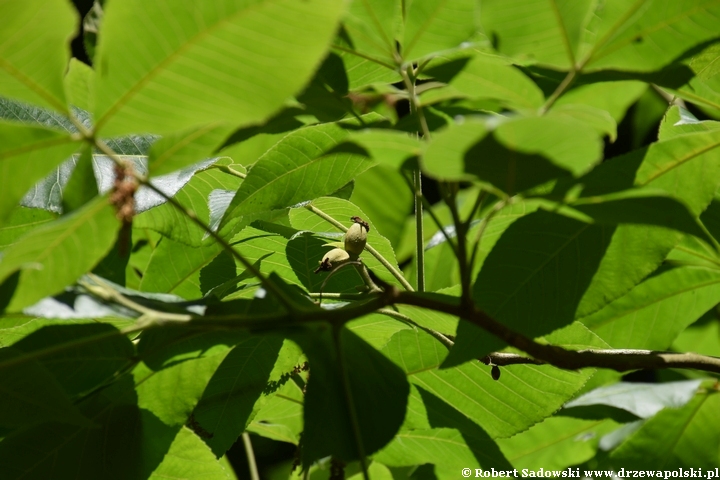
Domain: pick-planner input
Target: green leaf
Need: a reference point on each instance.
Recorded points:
(690, 436)
(637, 36)
(189, 459)
(519, 154)
(361, 71)
(302, 166)
(600, 120)
(537, 391)
(355, 400)
(56, 254)
(212, 64)
(27, 154)
(387, 147)
(176, 268)
(678, 121)
(432, 26)
(641, 207)
(30, 394)
(281, 418)
(556, 443)
(372, 26)
(653, 313)
(553, 37)
(488, 78)
(81, 187)
(123, 441)
(396, 194)
(229, 401)
(533, 282)
(193, 195)
(163, 348)
(376, 329)
(172, 393)
(178, 150)
(445, 447)
(673, 166)
(612, 97)
(34, 51)
(93, 353)
(21, 221)
(80, 85)
(641, 399)
(647, 35)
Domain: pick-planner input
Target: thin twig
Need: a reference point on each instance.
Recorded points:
(252, 464)
(481, 231)
(620, 360)
(419, 233)
(450, 198)
(564, 85)
(405, 319)
(433, 215)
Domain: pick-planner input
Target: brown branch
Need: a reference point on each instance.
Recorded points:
(620, 360)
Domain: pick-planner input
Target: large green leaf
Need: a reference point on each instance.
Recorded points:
(432, 26)
(355, 399)
(176, 268)
(27, 154)
(281, 418)
(122, 441)
(58, 253)
(643, 400)
(34, 50)
(189, 64)
(302, 166)
(485, 77)
(30, 394)
(547, 270)
(647, 35)
(691, 437)
(179, 150)
(372, 26)
(556, 443)
(190, 459)
(94, 353)
(173, 392)
(553, 37)
(229, 401)
(653, 313)
(523, 396)
(21, 221)
(390, 221)
(686, 167)
(613, 97)
(515, 156)
(642, 36)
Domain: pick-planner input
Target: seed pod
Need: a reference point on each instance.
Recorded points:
(332, 259)
(355, 239)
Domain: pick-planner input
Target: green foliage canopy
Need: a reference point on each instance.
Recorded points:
(163, 214)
